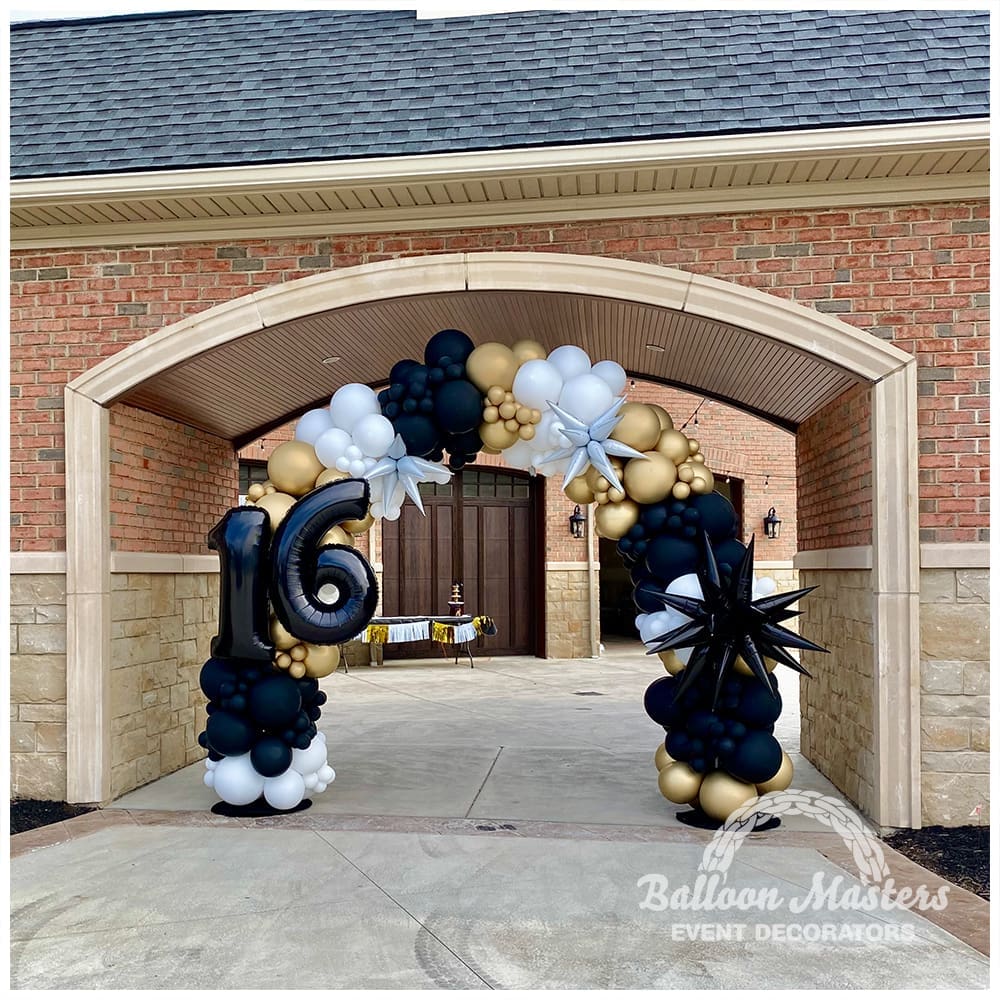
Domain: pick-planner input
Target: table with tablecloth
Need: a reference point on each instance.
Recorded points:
(446, 630)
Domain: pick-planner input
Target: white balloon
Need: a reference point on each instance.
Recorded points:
(343, 463)
(612, 374)
(350, 403)
(519, 455)
(320, 788)
(639, 619)
(570, 362)
(764, 587)
(373, 435)
(331, 445)
(209, 779)
(311, 781)
(687, 585)
(353, 452)
(210, 764)
(236, 781)
(284, 791)
(357, 468)
(586, 396)
(661, 622)
(537, 383)
(326, 774)
(312, 424)
(312, 758)
(548, 433)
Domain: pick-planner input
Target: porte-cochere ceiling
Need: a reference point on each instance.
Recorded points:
(246, 386)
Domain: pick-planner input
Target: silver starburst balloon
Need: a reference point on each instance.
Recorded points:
(399, 475)
(590, 444)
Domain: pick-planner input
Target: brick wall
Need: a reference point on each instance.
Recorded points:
(917, 276)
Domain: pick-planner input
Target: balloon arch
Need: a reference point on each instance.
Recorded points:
(294, 588)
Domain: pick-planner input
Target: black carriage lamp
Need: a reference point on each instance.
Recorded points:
(772, 524)
(576, 522)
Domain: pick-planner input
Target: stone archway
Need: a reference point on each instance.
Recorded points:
(730, 326)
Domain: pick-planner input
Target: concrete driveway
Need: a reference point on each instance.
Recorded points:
(488, 828)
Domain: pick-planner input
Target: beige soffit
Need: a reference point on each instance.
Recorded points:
(241, 368)
(860, 165)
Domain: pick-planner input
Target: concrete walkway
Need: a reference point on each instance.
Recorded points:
(488, 828)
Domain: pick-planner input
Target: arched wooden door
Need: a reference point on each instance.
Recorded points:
(484, 530)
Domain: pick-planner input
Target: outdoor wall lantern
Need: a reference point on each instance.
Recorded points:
(772, 524)
(576, 523)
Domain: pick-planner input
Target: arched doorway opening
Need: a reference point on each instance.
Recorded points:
(758, 352)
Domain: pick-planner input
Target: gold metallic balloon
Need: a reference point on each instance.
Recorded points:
(523, 414)
(491, 364)
(269, 488)
(649, 479)
(662, 758)
(702, 484)
(508, 411)
(596, 480)
(782, 779)
(639, 427)
(321, 660)
(283, 660)
(666, 423)
(528, 350)
(293, 467)
(491, 415)
(496, 394)
(685, 472)
(297, 670)
(280, 636)
(615, 495)
(742, 667)
(277, 506)
(721, 795)
(298, 652)
(602, 497)
(526, 432)
(512, 425)
(681, 491)
(358, 527)
(680, 783)
(674, 445)
(337, 536)
(331, 476)
(669, 660)
(694, 446)
(497, 436)
(255, 492)
(578, 491)
(613, 520)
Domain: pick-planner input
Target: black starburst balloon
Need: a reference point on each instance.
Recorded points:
(727, 622)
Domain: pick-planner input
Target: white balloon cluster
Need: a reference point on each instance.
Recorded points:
(658, 623)
(237, 782)
(350, 434)
(568, 379)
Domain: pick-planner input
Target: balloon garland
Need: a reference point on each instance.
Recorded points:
(716, 629)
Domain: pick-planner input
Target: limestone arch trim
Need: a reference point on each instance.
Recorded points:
(890, 372)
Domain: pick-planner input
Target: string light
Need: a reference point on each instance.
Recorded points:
(694, 416)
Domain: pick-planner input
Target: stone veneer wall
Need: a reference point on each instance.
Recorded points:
(954, 695)
(568, 611)
(38, 686)
(836, 704)
(161, 630)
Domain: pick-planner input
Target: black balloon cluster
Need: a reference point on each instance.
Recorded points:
(433, 407)
(735, 734)
(664, 544)
(258, 709)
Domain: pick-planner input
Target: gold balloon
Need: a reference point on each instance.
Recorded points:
(639, 427)
(721, 795)
(578, 491)
(694, 446)
(662, 758)
(528, 350)
(331, 476)
(321, 660)
(680, 783)
(702, 484)
(698, 458)
(297, 670)
(666, 423)
(681, 491)
(293, 467)
(512, 425)
(508, 411)
(616, 495)
(298, 652)
(496, 394)
(283, 660)
(269, 488)
(674, 445)
(613, 520)
(491, 415)
(649, 479)
(358, 527)
(497, 436)
(595, 479)
(742, 667)
(669, 660)
(526, 432)
(280, 636)
(491, 364)
(782, 779)
(336, 536)
(602, 497)
(277, 506)
(255, 492)
(685, 473)
(523, 415)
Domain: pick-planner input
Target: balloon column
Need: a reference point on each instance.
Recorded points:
(555, 413)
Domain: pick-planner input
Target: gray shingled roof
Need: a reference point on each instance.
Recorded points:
(228, 88)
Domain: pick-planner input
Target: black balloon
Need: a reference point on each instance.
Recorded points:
(646, 595)
(419, 434)
(757, 758)
(275, 702)
(214, 674)
(669, 558)
(400, 370)
(458, 406)
(451, 344)
(659, 701)
(757, 706)
(729, 552)
(229, 734)
(715, 514)
(298, 573)
(271, 756)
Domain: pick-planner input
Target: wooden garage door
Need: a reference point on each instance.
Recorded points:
(481, 529)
